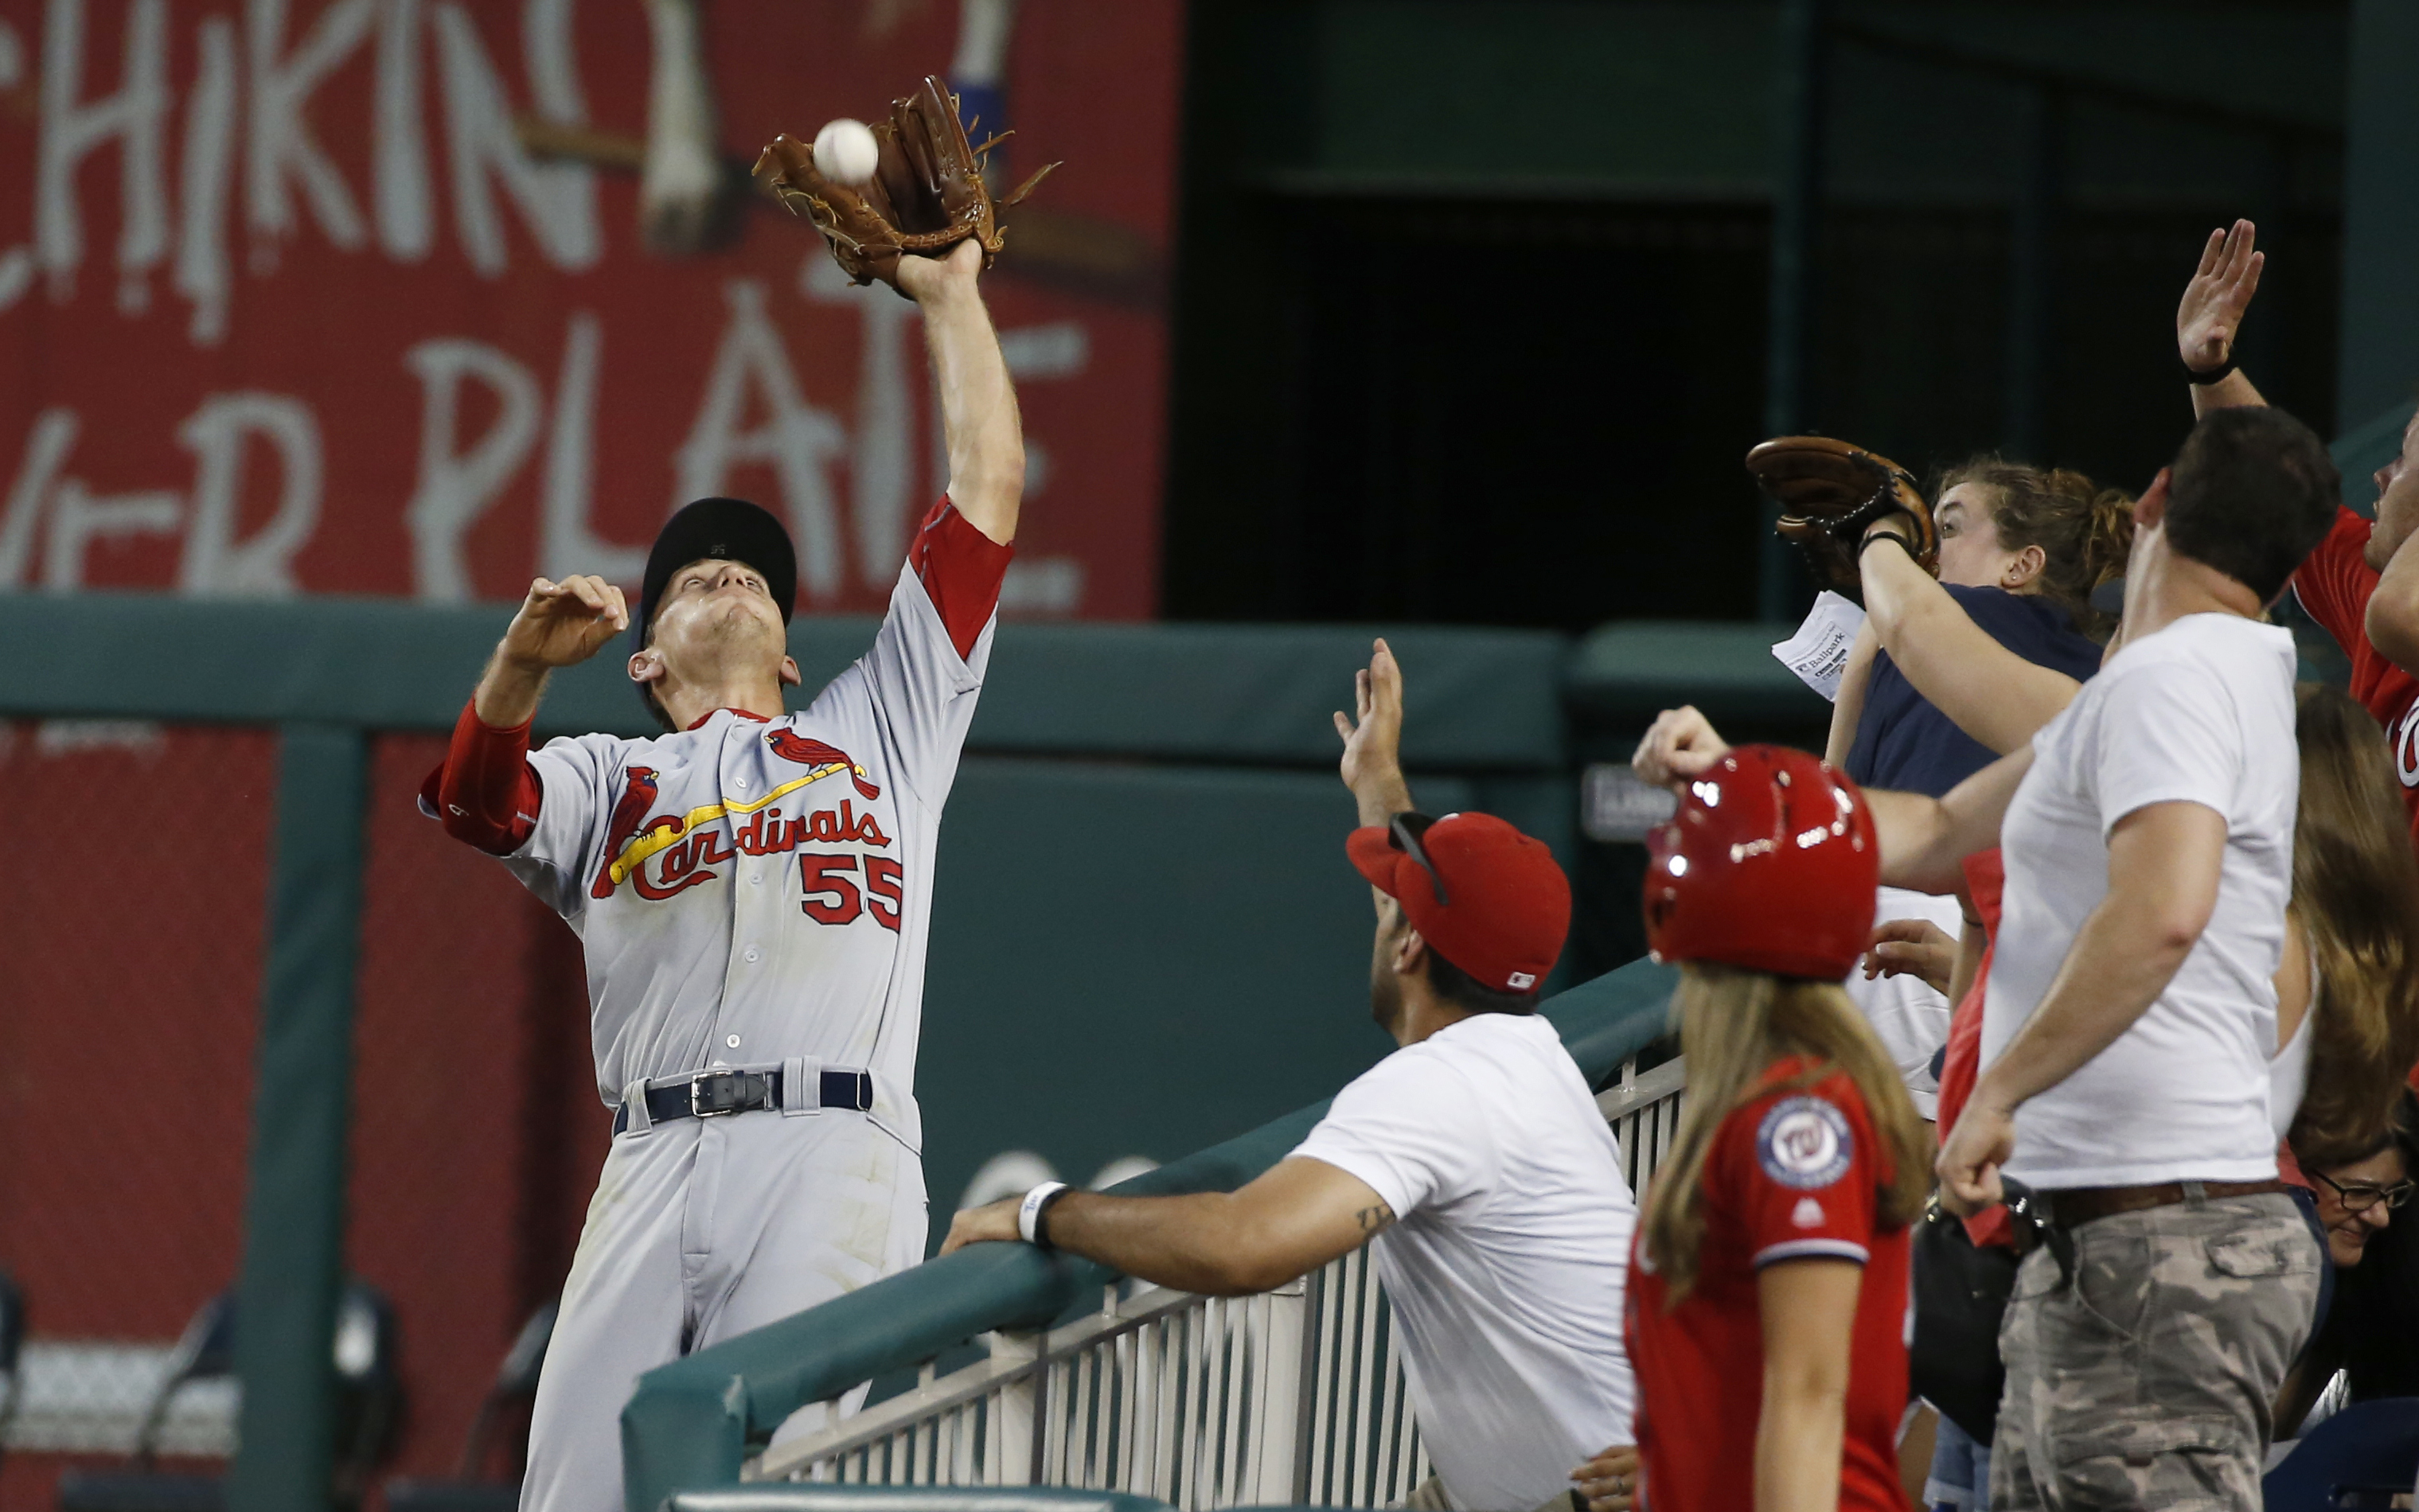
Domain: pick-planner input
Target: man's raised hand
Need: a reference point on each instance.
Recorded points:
(1373, 736)
(2221, 288)
(561, 624)
(1680, 744)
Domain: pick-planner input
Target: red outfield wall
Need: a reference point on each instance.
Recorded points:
(293, 299)
(303, 295)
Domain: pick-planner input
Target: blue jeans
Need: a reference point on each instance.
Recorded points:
(1960, 1477)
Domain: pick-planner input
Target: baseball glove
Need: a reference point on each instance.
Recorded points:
(1828, 493)
(926, 193)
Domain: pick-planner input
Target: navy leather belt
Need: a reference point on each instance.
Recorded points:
(721, 1092)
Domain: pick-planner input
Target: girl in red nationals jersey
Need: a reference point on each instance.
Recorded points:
(1768, 1286)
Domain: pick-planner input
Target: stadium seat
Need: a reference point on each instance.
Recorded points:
(2361, 1456)
(368, 1402)
(516, 1382)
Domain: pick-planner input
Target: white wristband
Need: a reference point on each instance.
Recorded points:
(1029, 1212)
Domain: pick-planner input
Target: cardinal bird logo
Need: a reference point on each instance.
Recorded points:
(631, 812)
(792, 746)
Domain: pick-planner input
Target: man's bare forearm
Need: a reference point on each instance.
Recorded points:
(1193, 1243)
(979, 414)
(1381, 795)
(1925, 841)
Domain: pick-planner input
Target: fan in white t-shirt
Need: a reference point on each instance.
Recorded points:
(1473, 1154)
(2148, 834)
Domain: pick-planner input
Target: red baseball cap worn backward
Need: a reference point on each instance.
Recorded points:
(1508, 905)
(1771, 863)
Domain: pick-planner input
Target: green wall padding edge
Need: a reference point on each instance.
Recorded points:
(692, 1423)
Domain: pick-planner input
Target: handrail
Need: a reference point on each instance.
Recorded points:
(692, 1423)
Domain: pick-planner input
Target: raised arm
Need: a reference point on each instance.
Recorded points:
(559, 624)
(2210, 316)
(1848, 709)
(1373, 740)
(1986, 689)
(986, 439)
(1923, 839)
(2391, 620)
(1296, 1216)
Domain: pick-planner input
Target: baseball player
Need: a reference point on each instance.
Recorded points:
(1769, 1287)
(752, 888)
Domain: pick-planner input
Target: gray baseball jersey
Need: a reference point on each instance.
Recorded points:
(758, 891)
(750, 893)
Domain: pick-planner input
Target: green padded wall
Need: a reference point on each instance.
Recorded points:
(1138, 961)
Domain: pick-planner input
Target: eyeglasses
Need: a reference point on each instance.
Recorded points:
(1404, 836)
(2362, 1196)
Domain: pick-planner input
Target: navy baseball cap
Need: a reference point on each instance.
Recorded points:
(724, 529)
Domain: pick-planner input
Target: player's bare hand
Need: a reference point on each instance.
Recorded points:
(952, 272)
(1970, 1157)
(1681, 744)
(1608, 1481)
(994, 1223)
(1373, 736)
(561, 624)
(2219, 293)
(1912, 947)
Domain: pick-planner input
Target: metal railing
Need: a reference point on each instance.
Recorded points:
(1295, 1396)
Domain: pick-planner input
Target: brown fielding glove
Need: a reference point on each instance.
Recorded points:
(1828, 493)
(926, 193)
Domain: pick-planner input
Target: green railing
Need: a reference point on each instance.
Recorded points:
(693, 1423)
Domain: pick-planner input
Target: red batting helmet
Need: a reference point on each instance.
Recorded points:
(1771, 863)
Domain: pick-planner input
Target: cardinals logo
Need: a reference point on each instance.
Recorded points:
(638, 797)
(792, 746)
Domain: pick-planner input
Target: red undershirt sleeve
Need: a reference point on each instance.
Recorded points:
(960, 569)
(486, 793)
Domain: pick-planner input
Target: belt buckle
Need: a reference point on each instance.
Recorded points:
(726, 1099)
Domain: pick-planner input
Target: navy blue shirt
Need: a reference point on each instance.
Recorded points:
(1904, 745)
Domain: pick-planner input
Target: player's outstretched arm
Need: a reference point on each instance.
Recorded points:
(979, 416)
(2210, 316)
(1298, 1215)
(559, 624)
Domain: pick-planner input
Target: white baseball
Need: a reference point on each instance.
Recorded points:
(845, 152)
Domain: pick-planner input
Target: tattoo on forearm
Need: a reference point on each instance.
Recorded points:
(1373, 1218)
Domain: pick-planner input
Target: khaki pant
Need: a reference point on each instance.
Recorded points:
(2145, 1378)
